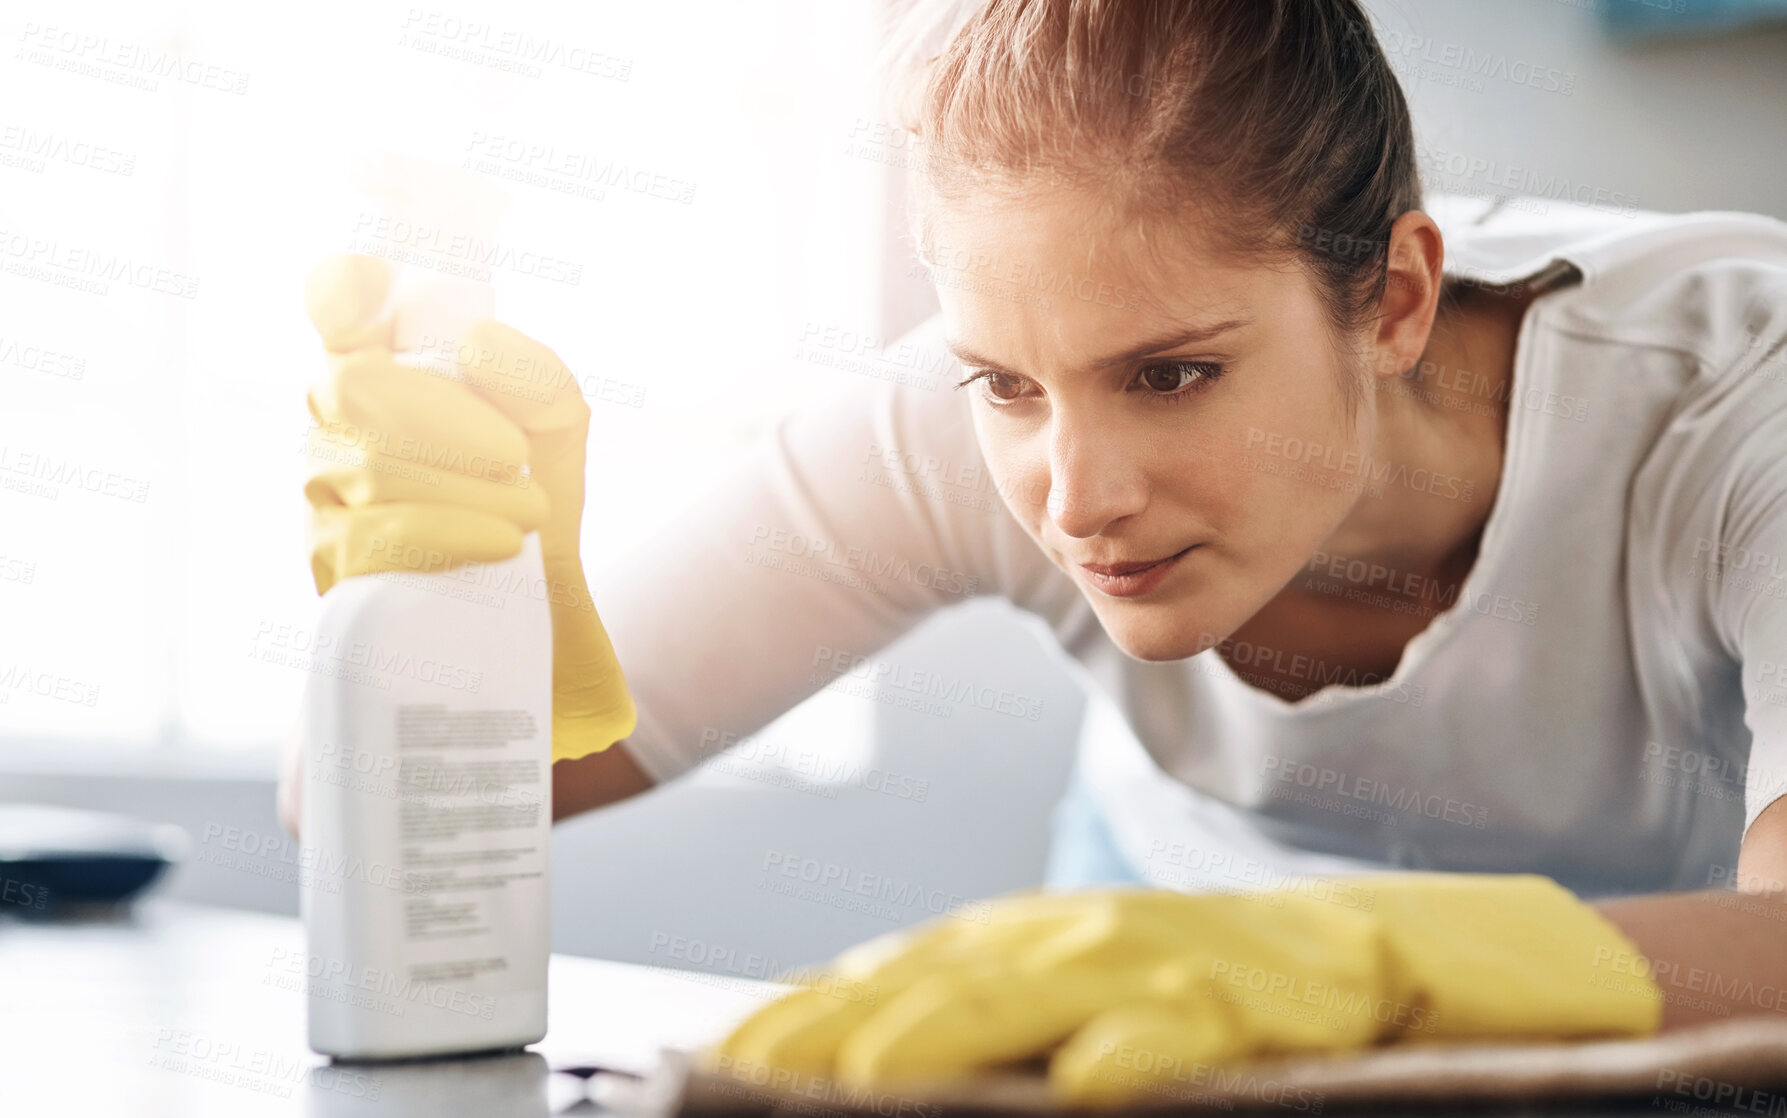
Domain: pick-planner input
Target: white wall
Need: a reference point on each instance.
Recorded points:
(1678, 124)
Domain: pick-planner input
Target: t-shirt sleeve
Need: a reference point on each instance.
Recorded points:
(1751, 560)
(851, 521)
(1747, 559)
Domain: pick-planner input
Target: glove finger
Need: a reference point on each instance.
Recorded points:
(799, 1033)
(522, 378)
(348, 298)
(371, 400)
(351, 476)
(1045, 929)
(591, 705)
(803, 1033)
(1042, 930)
(802, 1030)
(1150, 1050)
(530, 384)
(947, 1026)
(404, 537)
(895, 960)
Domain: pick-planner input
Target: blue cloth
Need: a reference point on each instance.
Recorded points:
(1082, 851)
(1643, 19)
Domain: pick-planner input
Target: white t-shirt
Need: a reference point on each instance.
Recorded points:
(1604, 701)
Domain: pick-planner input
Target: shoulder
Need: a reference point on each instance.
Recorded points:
(1674, 327)
(1707, 286)
(1710, 286)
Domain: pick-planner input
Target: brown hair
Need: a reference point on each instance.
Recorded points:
(1280, 120)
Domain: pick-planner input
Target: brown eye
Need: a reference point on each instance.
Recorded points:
(996, 387)
(1003, 386)
(1168, 377)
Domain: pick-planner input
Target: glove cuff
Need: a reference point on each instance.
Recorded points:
(1512, 956)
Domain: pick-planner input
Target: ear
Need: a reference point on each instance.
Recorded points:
(1411, 294)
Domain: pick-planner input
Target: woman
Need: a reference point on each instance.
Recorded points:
(1397, 550)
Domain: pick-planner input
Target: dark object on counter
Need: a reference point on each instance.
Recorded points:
(54, 858)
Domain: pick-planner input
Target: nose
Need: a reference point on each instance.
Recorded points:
(1095, 480)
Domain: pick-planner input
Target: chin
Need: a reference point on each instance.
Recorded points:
(1157, 643)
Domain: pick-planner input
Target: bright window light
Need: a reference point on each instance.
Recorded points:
(170, 171)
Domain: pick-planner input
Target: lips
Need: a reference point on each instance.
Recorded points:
(1133, 578)
(1110, 569)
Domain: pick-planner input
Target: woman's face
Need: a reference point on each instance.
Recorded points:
(1155, 404)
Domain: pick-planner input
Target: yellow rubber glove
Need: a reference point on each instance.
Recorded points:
(1129, 992)
(415, 471)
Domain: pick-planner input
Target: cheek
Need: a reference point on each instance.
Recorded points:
(1291, 476)
(1303, 408)
(1018, 466)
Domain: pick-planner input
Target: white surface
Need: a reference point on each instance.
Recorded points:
(187, 1011)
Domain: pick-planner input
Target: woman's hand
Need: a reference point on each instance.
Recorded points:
(414, 470)
(1127, 991)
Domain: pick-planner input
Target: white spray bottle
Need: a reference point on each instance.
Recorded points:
(428, 756)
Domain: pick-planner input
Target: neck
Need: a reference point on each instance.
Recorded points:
(1439, 431)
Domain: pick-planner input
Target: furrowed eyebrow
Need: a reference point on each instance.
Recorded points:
(1154, 345)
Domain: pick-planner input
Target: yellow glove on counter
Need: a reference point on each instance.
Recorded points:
(415, 471)
(1134, 993)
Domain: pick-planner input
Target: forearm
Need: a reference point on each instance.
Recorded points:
(1714, 954)
(595, 781)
